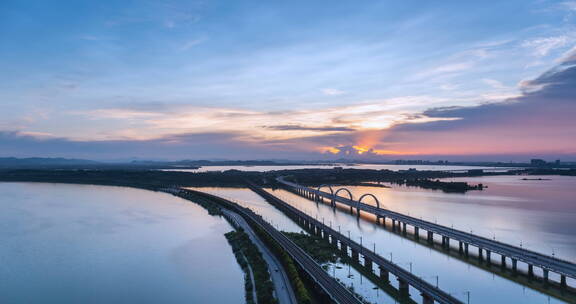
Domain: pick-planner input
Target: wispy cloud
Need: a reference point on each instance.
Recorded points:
(332, 92)
(190, 44)
(542, 46)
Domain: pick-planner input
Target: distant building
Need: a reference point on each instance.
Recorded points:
(475, 171)
(537, 162)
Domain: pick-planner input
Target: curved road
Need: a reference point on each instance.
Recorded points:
(284, 292)
(337, 292)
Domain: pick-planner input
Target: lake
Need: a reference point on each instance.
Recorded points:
(510, 209)
(345, 166)
(96, 244)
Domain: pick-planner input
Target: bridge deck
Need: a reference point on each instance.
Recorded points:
(336, 291)
(414, 281)
(553, 264)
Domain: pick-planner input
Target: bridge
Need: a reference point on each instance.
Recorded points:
(484, 245)
(430, 293)
(336, 291)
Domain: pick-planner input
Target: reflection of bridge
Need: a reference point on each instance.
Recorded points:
(485, 246)
(336, 291)
(405, 278)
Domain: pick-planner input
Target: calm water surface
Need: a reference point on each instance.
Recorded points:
(538, 214)
(94, 244)
(357, 166)
(454, 275)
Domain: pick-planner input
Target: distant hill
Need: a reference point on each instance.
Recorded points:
(35, 162)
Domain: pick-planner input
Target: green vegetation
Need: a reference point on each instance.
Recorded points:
(210, 206)
(439, 185)
(244, 250)
(320, 250)
(323, 252)
(303, 296)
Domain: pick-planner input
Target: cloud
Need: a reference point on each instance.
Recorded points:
(445, 69)
(540, 121)
(332, 92)
(494, 83)
(190, 44)
(189, 146)
(306, 128)
(543, 46)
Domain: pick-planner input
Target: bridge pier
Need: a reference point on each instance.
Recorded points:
(404, 228)
(460, 248)
(368, 263)
(430, 237)
(466, 249)
(393, 225)
(480, 255)
(344, 248)
(384, 274)
(404, 288)
(445, 242)
(503, 262)
(530, 270)
(514, 265)
(545, 275)
(563, 281)
(417, 232)
(355, 256)
(427, 299)
(488, 260)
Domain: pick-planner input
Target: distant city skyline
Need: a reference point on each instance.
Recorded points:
(301, 80)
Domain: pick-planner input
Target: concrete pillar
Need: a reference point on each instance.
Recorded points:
(545, 275)
(368, 263)
(443, 241)
(460, 247)
(393, 225)
(466, 249)
(403, 288)
(488, 256)
(417, 232)
(404, 228)
(430, 237)
(514, 265)
(563, 281)
(530, 270)
(344, 248)
(427, 299)
(354, 255)
(447, 243)
(384, 274)
(480, 256)
(503, 262)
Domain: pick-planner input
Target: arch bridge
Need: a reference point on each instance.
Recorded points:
(486, 247)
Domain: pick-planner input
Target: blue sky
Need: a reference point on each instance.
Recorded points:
(296, 79)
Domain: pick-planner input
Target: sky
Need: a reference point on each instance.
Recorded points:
(301, 80)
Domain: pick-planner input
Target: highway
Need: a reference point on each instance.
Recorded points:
(548, 263)
(284, 292)
(337, 292)
(424, 287)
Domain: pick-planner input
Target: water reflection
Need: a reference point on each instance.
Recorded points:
(346, 166)
(537, 214)
(454, 276)
(94, 244)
